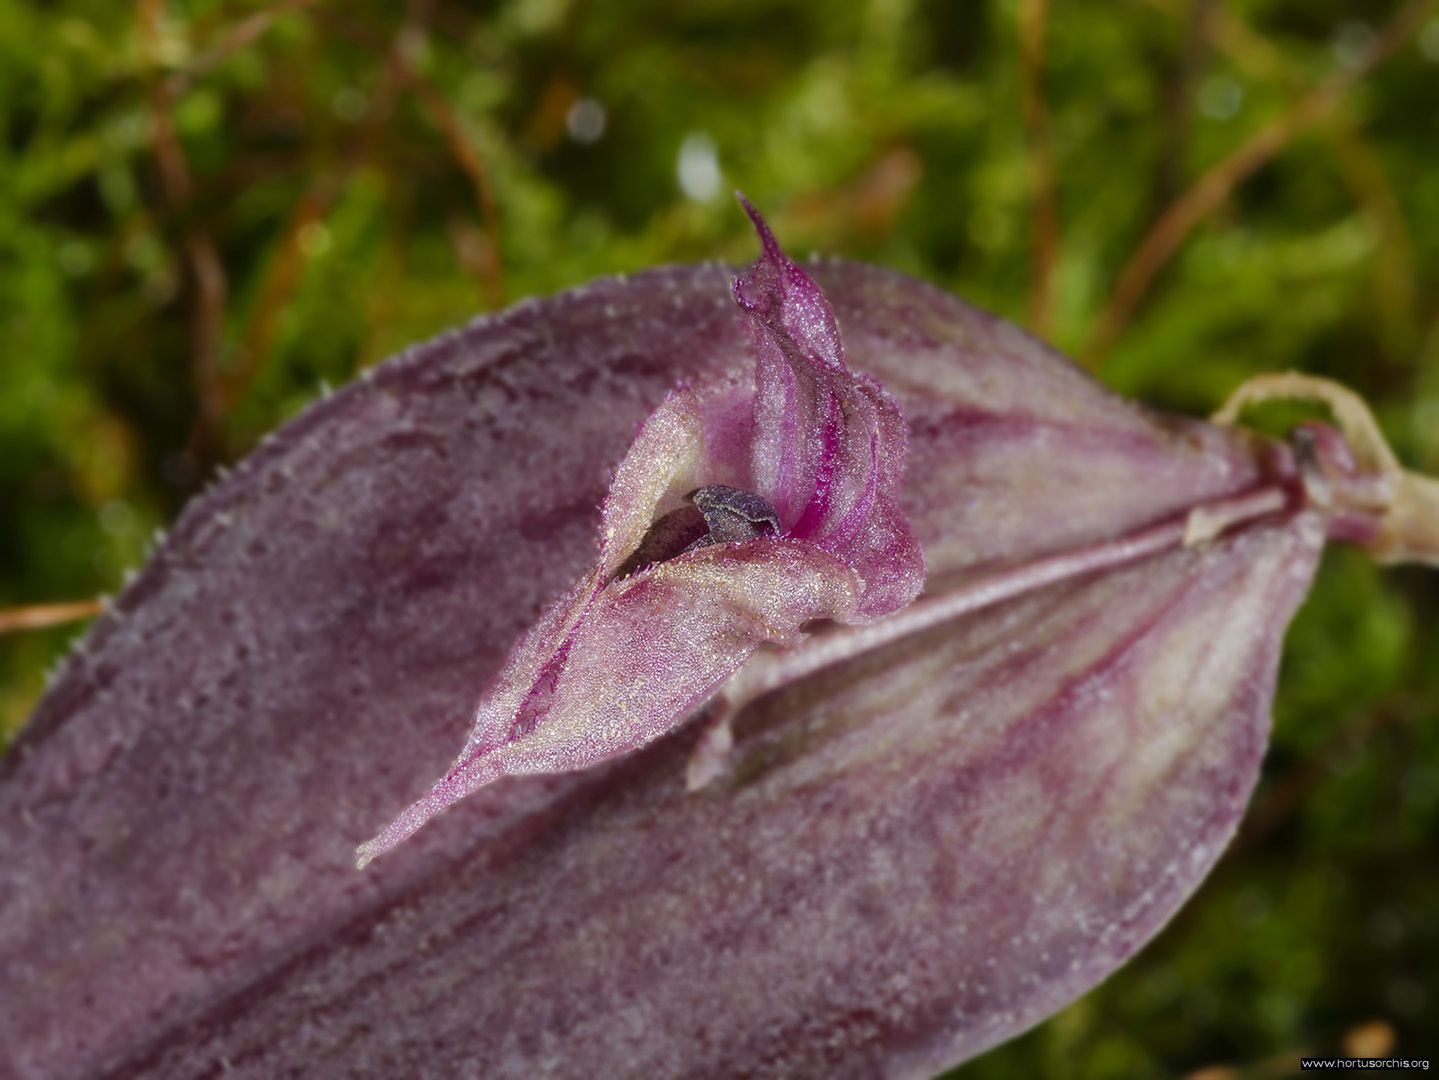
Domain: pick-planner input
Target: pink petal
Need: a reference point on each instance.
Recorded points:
(829, 445)
(636, 658)
(565, 700)
(666, 461)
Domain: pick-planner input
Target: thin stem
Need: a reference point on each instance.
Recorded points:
(236, 38)
(198, 245)
(281, 278)
(473, 166)
(1395, 511)
(1358, 164)
(466, 156)
(1179, 104)
(39, 616)
(1212, 189)
(770, 670)
(1045, 231)
(286, 268)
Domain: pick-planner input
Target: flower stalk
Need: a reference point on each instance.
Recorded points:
(1370, 498)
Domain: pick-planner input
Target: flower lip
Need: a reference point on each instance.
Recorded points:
(792, 517)
(829, 445)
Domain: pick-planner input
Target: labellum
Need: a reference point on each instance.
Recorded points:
(786, 815)
(674, 607)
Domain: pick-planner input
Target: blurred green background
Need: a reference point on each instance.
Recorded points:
(210, 210)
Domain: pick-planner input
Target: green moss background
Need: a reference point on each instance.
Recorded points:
(209, 210)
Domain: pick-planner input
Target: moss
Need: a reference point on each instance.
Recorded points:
(355, 208)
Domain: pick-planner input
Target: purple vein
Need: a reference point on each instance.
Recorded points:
(770, 670)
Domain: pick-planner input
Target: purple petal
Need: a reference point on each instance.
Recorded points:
(610, 670)
(666, 460)
(880, 891)
(584, 685)
(177, 823)
(829, 445)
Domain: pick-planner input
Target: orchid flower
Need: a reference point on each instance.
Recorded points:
(942, 818)
(740, 514)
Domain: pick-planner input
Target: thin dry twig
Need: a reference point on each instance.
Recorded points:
(1359, 166)
(282, 277)
(39, 616)
(474, 169)
(285, 269)
(409, 44)
(1212, 189)
(1044, 236)
(201, 254)
(239, 36)
(1179, 103)
(382, 303)
(1395, 278)
(462, 148)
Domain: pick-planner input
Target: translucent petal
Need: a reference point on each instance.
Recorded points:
(639, 656)
(829, 446)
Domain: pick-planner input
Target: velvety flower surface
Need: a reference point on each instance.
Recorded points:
(917, 853)
(814, 532)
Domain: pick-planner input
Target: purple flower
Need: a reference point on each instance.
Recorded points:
(742, 512)
(933, 828)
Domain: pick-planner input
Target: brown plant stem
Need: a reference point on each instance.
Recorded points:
(474, 169)
(39, 616)
(286, 267)
(1395, 283)
(281, 278)
(462, 148)
(198, 246)
(402, 67)
(1194, 52)
(1044, 236)
(1211, 190)
(239, 36)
